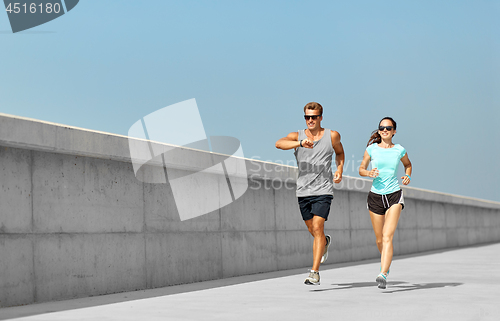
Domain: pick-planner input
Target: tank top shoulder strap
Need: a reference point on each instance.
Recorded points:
(302, 134)
(326, 140)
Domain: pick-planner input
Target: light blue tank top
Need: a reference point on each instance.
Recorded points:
(386, 160)
(315, 166)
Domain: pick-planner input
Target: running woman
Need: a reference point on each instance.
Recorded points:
(385, 199)
(314, 148)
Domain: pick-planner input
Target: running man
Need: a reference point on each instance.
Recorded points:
(314, 148)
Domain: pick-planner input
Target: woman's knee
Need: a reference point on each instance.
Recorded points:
(387, 239)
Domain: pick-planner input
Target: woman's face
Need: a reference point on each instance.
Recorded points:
(386, 129)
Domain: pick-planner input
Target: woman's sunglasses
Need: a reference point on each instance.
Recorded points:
(381, 128)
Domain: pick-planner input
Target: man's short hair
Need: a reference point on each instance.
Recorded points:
(314, 106)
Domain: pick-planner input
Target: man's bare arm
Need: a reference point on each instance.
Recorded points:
(339, 156)
(292, 141)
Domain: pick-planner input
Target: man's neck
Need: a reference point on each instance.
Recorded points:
(316, 131)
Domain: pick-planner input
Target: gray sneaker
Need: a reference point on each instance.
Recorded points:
(312, 279)
(381, 281)
(325, 253)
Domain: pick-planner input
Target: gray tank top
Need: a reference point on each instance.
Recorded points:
(315, 166)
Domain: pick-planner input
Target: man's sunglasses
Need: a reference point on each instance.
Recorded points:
(313, 117)
(381, 128)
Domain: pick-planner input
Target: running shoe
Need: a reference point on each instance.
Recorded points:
(313, 278)
(381, 281)
(325, 253)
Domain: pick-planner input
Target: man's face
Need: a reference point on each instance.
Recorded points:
(313, 122)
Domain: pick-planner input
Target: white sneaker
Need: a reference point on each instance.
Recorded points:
(313, 278)
(325, 253)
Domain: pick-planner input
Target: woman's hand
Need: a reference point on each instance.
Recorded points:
(373, 173)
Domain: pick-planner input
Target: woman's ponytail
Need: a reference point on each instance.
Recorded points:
(375, 138)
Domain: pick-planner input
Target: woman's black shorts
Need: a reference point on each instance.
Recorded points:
(379, 204)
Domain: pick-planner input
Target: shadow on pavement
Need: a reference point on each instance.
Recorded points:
(346, 286)
(392, 287)
(417, 286)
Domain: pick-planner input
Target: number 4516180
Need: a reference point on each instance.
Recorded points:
(33, 8)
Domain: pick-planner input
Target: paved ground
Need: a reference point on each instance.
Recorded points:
(461, 284)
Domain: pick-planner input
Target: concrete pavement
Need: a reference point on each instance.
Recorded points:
(459, 284)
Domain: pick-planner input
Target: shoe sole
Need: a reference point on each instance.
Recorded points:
(311, 283)
(325, 255)
(381, 282)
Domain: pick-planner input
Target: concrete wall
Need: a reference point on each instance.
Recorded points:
(75, 220)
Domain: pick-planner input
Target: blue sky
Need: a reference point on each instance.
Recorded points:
(434, 66)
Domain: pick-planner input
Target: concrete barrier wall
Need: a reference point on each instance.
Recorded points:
(75, 220)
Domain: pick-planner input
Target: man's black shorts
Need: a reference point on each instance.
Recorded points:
(315, 205)
(379, 204)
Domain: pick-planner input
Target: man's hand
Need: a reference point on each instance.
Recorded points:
(337, 178)
(307, 143)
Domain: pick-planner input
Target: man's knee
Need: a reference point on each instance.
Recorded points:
(317, 229)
